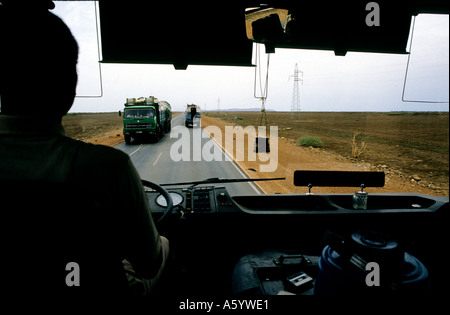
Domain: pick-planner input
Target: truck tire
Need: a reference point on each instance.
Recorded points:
(158, 134)
(127, 139)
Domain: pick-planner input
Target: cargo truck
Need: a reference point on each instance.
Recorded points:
(146, 118)
(192, 115)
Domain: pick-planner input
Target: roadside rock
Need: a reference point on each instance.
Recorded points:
(416, 178)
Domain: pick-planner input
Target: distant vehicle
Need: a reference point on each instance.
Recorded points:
(146, 117)
(192, 112)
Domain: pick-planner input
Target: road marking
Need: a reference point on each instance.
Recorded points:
(252, 184)
(135, 150)
(157, 159)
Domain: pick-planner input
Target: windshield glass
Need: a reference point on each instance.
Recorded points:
(139, 113)
(362, 111)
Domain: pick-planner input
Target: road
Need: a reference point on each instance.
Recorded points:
(155, 162)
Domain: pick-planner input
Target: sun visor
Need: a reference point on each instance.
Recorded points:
(178, 33)
(199, 33)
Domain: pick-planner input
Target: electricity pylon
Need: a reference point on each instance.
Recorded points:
(295, 107)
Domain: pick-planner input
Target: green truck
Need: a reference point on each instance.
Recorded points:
(146, 118)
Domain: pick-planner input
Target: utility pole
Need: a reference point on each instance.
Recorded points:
(295, 107)
(218, 104)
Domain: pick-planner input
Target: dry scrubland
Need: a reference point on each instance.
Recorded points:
(411, 148)
(97, 128)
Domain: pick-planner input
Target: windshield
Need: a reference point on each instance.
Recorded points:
(318, 111)
(139, 113)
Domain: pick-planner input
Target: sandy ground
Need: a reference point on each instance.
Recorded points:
(292, 157)
(109, 138)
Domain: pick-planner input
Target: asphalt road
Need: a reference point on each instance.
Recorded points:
(155, 162)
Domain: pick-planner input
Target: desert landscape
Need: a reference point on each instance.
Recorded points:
(411, 148)
(97, 128)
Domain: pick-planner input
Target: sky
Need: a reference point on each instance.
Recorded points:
(355, 82)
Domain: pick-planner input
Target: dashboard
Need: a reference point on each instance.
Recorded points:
(194, 200)
(216, 199)
(233, 228)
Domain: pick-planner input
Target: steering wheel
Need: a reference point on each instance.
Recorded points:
(165, 194)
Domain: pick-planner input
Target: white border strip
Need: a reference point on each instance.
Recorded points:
(135, 150)
(157, 159)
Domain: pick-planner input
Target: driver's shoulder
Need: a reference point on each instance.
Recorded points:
(97, 155)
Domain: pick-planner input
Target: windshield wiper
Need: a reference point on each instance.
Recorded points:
(217, 180)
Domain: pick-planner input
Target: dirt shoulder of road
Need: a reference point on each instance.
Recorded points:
(109, 138)
(292, 157)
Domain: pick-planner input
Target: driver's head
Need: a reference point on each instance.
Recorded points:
(38, 58)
